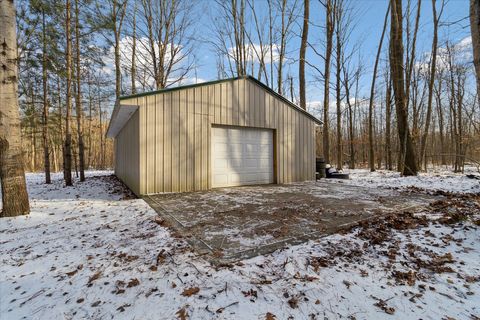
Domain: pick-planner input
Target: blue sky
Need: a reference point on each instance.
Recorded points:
(369, 22)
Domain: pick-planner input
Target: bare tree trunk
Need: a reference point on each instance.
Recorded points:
(431, 82)
(475, 30)
(350, 112)
(460, 159)
(118, 71)
(67, 162)
(270, 38)
(396, 64)
(12, 175)
(441, 121)
(388, 120)
(102, 138)
(78, 104)
(89, 152)
(303, 49)
(371, 152)
(33, 130)
(46, 148)
(326, 90)
(338, 42)
(288, 17)
(133, 69)
(117, 16)
(411, 59)
(54, 154)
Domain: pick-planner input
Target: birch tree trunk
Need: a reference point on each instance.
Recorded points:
(12, 175)
(78, 104)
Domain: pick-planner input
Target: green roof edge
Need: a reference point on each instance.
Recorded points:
(195, 85)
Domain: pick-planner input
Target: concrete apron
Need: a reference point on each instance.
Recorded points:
(230, 224)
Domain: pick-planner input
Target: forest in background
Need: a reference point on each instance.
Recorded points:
(76, 57)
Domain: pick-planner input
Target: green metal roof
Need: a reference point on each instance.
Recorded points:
(195, 85)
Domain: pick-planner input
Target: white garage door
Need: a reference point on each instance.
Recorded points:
(241, 156)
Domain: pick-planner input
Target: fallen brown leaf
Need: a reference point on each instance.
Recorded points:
(133, 283)
(190, 291)
(270, 316)
(95, 276)
(182, 314)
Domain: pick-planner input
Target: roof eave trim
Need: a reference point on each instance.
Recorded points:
(120, 116)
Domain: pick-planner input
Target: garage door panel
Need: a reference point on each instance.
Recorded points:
(241, 156)
(265, 149)
(220, 179)
(264, 164)
(251, 163)
(251, 148)
(220, 163)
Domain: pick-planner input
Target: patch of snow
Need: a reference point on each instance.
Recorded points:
(437, 180)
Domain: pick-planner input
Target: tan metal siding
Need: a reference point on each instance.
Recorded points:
(174, 132)
(127, 165)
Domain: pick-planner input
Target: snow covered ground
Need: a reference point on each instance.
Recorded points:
(93, 252)
(435, 180)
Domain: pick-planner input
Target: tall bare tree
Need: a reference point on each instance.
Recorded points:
(168, 30)
(339, 43)
(388, 122)
(303, 50)
(67, 149)
(78, 96)
(288, 16)
(112, 14)
(431, 83)
(409, 164)
(133, 69)
(330, 25)
(46, 147)
(12, 175)
(371, 149)
(475, 30)
(410, 60)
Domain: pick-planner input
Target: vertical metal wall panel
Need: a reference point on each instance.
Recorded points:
(175, 110)
(241, 102)
(281, 142)
(182, 155)
(191, 139)
(159, 139)
(205, 140)
(167, 132)
(198, 136)
(165, 146)
(127, 151)
(150, 144)
(235, 104)
(250, 107)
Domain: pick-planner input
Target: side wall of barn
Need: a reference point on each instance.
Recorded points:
(127, 153)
